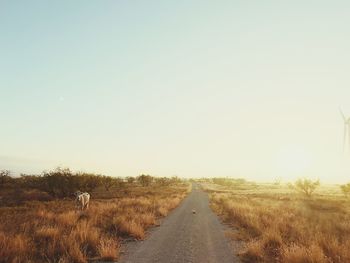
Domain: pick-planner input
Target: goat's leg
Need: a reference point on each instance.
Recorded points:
(77, 207)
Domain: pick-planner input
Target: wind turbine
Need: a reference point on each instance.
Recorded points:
(346, 136)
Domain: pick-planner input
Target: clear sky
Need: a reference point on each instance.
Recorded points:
(190, 88)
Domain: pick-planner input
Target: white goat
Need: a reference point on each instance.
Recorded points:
(82, 200)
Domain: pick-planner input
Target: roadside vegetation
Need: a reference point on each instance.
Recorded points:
(288, 223)
(39, 223)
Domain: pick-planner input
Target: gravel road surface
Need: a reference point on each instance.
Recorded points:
(184, 236)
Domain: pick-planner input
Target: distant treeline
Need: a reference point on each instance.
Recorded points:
(225, 181)
(302, 185)
(229, 181)
(62, 182)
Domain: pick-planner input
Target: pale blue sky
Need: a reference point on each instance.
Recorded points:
(193, 88)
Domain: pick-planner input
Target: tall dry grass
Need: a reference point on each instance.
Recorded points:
(54, 232)
(286, 227)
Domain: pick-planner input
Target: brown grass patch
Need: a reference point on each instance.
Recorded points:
(108, 249)
(15, 249)
(54, 232)
(286, 227)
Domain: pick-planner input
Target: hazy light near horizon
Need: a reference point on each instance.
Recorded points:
(192, 88)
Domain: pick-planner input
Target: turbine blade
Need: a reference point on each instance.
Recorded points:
(344, 139)
(342, 114)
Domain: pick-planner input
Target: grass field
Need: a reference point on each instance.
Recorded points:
(52, 231)
(278, 224)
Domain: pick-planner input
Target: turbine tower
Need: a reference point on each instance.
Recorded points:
(346, 136)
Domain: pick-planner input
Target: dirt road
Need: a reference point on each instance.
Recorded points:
(184, 237)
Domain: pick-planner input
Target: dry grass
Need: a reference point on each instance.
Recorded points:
(53, 232)
(281, 226)
(108, 249)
